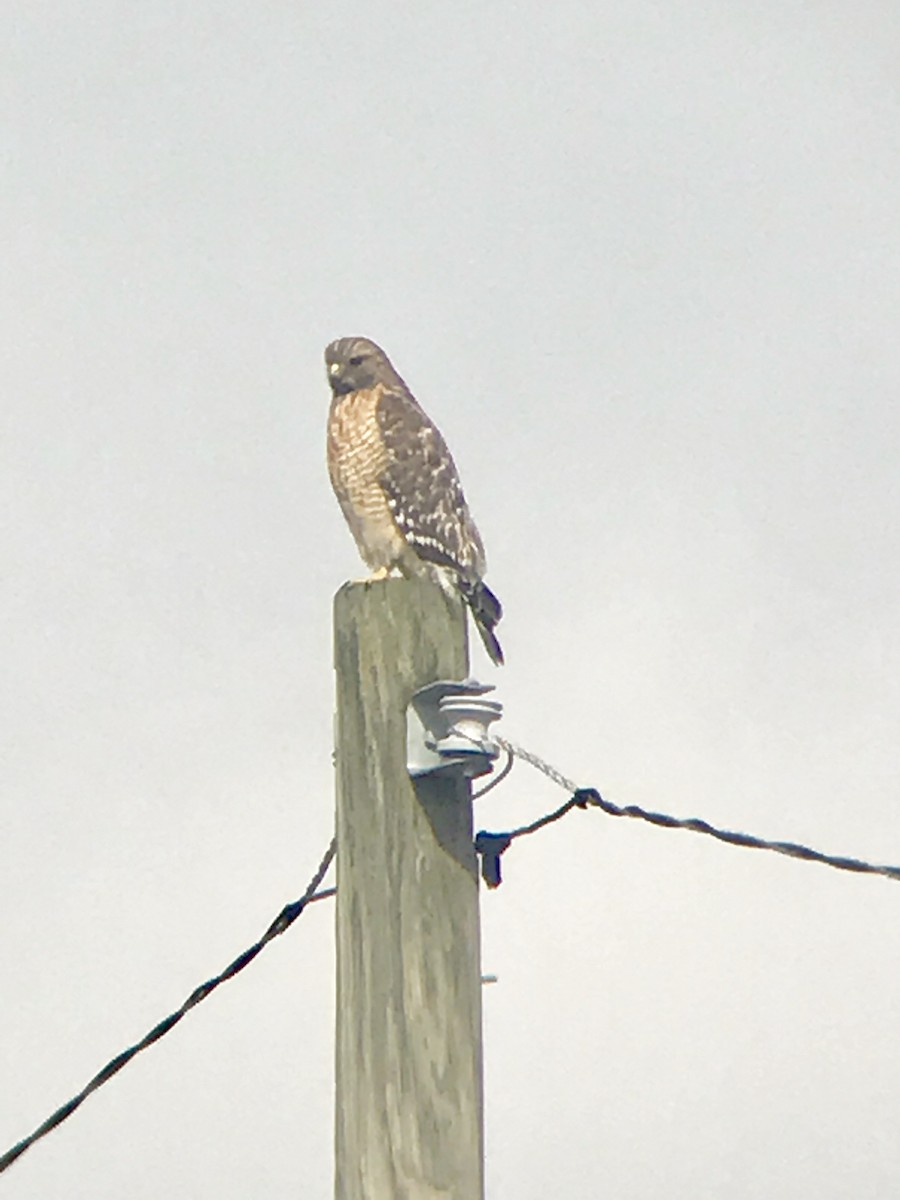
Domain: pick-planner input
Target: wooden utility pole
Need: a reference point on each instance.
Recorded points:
(409, 1120)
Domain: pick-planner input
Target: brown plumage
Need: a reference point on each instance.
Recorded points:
(397, 483)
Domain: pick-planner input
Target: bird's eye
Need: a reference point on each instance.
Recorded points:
(356, 360)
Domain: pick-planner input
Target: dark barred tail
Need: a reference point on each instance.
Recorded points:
(486, 612)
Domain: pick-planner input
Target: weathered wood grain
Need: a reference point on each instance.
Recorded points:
(409, 1123)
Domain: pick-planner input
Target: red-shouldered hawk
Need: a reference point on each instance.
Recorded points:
(396, 482)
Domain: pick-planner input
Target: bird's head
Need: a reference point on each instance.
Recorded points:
(354, 363)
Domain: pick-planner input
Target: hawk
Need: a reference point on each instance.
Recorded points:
(397, 484)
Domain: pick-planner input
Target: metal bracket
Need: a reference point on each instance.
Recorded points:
(447, 729)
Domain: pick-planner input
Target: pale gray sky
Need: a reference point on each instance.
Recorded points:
(642, 265)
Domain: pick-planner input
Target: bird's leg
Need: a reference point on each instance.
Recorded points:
(379, 574)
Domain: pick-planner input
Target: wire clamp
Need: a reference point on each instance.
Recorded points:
(448, 729)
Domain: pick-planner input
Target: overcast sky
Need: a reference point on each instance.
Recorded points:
(641, 264)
